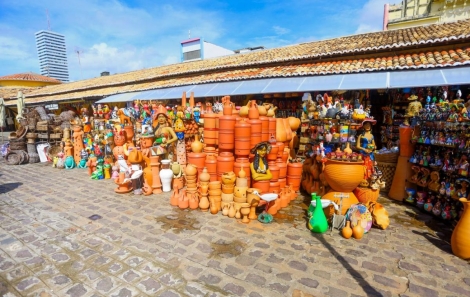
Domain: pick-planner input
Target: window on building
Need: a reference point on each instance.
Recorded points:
(192, 55)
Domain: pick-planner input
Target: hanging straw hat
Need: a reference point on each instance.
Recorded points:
(370, 120)
(412, 98)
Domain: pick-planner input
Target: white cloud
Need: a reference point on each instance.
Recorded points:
(371, 16)
(280, 30)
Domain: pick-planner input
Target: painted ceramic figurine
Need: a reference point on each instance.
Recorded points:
(365, 141)
(259, 167)
(164, 134)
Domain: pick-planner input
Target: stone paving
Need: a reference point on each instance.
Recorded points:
(142, 246)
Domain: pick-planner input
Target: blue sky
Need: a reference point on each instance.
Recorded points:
(124, 35)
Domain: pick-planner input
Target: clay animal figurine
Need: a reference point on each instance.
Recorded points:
(82, 164)
(98, 173)
(69, 162)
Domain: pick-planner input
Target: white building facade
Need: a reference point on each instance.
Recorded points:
(52, 55)
(198, 49)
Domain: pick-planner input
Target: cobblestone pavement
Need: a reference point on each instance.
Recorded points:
(142, 246)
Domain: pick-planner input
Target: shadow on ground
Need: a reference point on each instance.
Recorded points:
(5, 188)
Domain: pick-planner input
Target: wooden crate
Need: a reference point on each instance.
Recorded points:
(43, 135)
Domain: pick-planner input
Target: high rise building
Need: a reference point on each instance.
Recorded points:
(52, 55)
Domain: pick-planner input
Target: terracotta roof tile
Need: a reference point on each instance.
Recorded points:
(30, 77)
(357, 44)
(415, 60)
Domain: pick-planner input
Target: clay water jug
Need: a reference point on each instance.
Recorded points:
(358, 231)
(193, 201)
(183, 201)
(460, 240)
(231, 210)
(175, 197)
(197, 145)
(204, 176)
(348, 149)
(347, 231)
(253, 112)
(204, 203)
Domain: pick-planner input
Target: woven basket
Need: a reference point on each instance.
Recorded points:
(17, 144)
(365, 195)
(12, 158)
(34, 158)
(387, 157)
(388, 171)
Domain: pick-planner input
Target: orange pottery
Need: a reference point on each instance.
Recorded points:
(242, 162)
(263, 185)
(272, 126)
(281, 131)
(211, 165)
(253, 112)
(343, 176)
(264, 128)
(348, 200)
(365, 195)
(346, 232)
(460, 240)
(197, 146)
(198, 160)
(225, 162)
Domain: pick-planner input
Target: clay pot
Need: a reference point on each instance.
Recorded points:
(239, 163)
(294, 123)
(253, 112)
(262, 110)
(183, 201)
(198, 160)
(294, 169)
(204, 176)
(366, 195)
(263, 185)
(197, 146)
(119, 138)
(460, 240)
(347, 232)
(174, 197)
(146, 142)
(129, 132)
(190, 170)
(211, 165)
(244, 110)
(282, 182)
(225, 162)
(343, 176)
(215, 185)
(274, 170)
(282, 168)
(358, 231)
(228, 178)
(272, 126)
(281, 131)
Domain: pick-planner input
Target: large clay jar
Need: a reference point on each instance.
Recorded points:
(210, 129)
(242, 138)
(281, 131)
(197, 146)
(343, 176)
(263, 185)
(256, 132)
(294, 175)
(282, 168)
(272, 127)
(460, 241)
(225, 162)
(288, 130)
(211, 165)
(262, 110)
(227, 132)
(253, 112)
(264, 128)
(197, 159)
(204, 203)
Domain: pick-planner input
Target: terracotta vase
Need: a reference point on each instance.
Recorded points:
(294, 123)
(281, 131)
(253, 112)
(183, 201)
(460, 240)
(213, 206)
(174, 199)
(347, 232)
(156, 183)
(197, 146)
(204, 203)
(231, 210)
(193, 201)
(288, 129)
(343, 176)
(358, 231)
(348, 149)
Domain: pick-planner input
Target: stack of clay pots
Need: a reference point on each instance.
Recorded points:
(228, 187)
(197, 156)
(211, 162)
(242, 208)
(215, 196)
(190, 174)
(204, 180)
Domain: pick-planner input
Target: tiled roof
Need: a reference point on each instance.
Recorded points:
(417, 60)
(10, 94)
(30, 77)
(320, 57)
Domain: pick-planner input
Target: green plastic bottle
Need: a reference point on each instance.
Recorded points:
(310, 207)
(318, 222)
